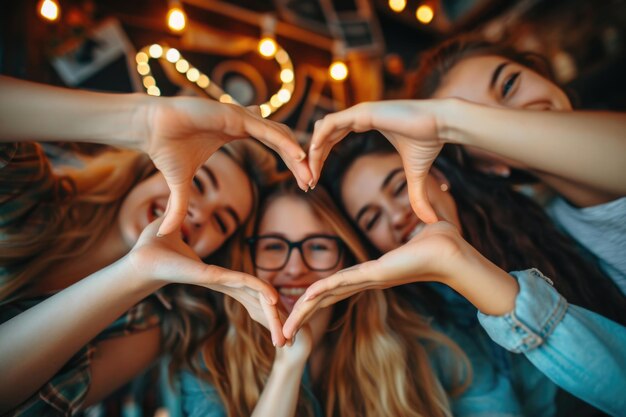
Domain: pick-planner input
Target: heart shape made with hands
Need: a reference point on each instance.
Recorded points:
(175, 64)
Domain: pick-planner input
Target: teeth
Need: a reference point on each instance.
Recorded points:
(292, 291)
(415, 231)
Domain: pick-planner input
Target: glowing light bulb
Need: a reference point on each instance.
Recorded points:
(397, 5)
(143, 68)
(193, 75)
(182, 66)
(155, 51)
(275, 101)
(225, 98)
(176, 19)
(154, 91)
(283, 95)
(149, 81)
(203, 81)
(172, 55)
(49, 10)
(338, 71)
(425, 14)
(282, 57)
(267, 47)
(265, 110)
(286, 75)
(142, 58)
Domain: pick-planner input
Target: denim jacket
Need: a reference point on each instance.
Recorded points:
(582, 352)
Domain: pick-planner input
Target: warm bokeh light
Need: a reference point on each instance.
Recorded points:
(182, 66)
(172, 55)
(149, 81)
(155, 51)
(282, 57)
(265, 110)
(143, 68)
(275, 101)
(226, 98)
(176, 19)
(338, 71)
(193, 75)
(267, 47)
(425, 14)
(49, 10)
(284, 95)
(203, 81)
(142, 58)
(154, 91)
(286, 75)
(397, 5)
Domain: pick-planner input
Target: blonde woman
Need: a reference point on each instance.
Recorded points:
(79, 253)
(369, 355)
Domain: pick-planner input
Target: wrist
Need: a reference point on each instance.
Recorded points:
(137, 269)
(452, 116)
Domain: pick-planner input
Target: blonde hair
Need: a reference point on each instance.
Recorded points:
(379, 364)
(83, 205)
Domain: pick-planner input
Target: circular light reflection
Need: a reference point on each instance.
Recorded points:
(154, 91)
(265, 110)
(425, 14)
(149, 81)
(397, 5)
(267, 47)
(203, 81)
(155, 51)
(338, 71)
(142, 58)
(286, 75)
(143, 68)
(182, 66)
(176, 19)
(193, 75)
(283, 95)
(172, 55)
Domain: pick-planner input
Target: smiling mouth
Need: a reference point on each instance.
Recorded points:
(290, 295)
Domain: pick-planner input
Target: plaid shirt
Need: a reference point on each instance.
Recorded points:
(27, 188)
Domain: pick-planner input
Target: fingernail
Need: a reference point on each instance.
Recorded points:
(159, 234)
(313, 186)
(301, 157)
(311, 183)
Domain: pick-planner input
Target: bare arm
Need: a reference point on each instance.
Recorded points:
(35, 344)
(178, 133)
(586, 147)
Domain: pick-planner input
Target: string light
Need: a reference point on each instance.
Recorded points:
(338, 71)
(176, 17)
(49, 10)
(425, 14)
(194, 75)
(397, 5)
(268, 47)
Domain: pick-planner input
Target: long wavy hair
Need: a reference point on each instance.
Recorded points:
(376, 360)
(81, 207)
(507, 227)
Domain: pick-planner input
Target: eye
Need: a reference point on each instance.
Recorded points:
(273, 246)
(372, 222)
(198, 184)
(318, 247)
(400, 188)
(509, 84)
(221, 224)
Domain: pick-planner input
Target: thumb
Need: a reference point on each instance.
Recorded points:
(418, 196)
(176, 209)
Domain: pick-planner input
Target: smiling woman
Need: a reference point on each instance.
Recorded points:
(370, 355)
(81, 265)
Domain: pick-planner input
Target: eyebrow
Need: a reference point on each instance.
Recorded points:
(384, 184)
(496, 74)
(211, 176)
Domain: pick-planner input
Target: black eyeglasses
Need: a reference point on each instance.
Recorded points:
(319, 252)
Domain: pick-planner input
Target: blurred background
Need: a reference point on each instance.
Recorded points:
(296, 60)
(299, 60)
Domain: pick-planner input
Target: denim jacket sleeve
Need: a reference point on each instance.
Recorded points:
(582, 352)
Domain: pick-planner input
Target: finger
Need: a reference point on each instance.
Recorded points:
(418, 196)
(274, 323)
(319, 154)
(302, 311)
(254, 109)
(176, 208)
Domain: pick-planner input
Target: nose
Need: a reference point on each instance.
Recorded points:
(199, 211)
(398, 214)
(295, 264)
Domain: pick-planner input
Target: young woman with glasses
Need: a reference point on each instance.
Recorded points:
(369, 355)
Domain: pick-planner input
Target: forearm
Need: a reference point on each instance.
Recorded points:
(582, 352)
(585, 147)
(280, 395)
(37, 343)
(30, 111)
(490, 289)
